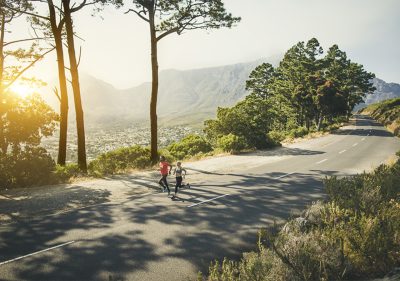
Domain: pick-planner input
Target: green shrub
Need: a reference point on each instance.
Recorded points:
(277, 136)
(28, 167)
(298, 132)
(365, 192)
(64, 173)
(371, 242)
(167, 154)
(134, 157)
(332, 127)
(232, 143)
(189, 146)
(309, 256)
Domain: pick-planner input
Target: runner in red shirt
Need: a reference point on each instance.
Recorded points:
(164, 173)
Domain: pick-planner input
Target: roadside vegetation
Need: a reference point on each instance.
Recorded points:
(354, 235)
(280, 107)
(308, 92)
(387, 113)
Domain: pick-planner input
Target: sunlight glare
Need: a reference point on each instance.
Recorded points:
(22, 90)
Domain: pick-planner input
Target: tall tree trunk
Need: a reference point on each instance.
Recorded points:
(80, 126)
(2, 34)
(3, 145)
(349, 109)
(57, 32)
(154, 88)
(321, 117)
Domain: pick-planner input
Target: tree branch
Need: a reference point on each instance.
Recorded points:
(24, 40)
(26, 68)
(80, 6)
(27, 13)
(166, 33)
(56, 93)
(137, 13)
(83, 4)
(80, 55)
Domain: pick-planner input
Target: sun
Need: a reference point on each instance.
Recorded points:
(22, 90)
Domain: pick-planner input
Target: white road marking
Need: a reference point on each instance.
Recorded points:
(319, 162)
(205, 201)
(285, 175)
(38, 252)
(355, 144)
(344, 150)
(363, 139)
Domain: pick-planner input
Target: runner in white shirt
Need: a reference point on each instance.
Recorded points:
(178, 172)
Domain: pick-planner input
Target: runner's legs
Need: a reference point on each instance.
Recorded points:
(178, 184)
(164, 183)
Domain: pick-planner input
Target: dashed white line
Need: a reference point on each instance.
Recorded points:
(363, 139)
(205, 201)
(355, 144)
(344, 150)
(322, 161)
(38, 252)
(285, 175)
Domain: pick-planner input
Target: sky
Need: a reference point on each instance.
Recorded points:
(116, 46)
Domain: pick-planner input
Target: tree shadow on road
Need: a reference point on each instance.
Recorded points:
(19, 204)
(199, 234)
(364, 132)
(283, 151)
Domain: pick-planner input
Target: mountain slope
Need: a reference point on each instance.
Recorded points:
(185, 97)
(384, 91)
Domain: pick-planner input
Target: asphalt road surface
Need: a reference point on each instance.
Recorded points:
(156, 238)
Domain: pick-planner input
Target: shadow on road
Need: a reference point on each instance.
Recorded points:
(283, 151)
(224, 227)
(24, 203)
(364, 132)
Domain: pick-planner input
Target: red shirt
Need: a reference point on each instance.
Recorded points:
(164, 167)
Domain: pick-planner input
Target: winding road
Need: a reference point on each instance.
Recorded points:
(153, 237)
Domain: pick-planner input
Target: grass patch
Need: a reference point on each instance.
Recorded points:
(387, 113)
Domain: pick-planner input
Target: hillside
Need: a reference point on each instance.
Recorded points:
(386, 112)
(185, 96)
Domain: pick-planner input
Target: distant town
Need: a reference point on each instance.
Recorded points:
(100, 140)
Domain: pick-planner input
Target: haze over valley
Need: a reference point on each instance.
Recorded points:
(186, 97)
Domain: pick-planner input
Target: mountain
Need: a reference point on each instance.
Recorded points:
(384, 91)
(185, 96)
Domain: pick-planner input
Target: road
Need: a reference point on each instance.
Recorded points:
(155, 238)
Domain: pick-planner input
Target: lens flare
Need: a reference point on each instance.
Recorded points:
(22, 90)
